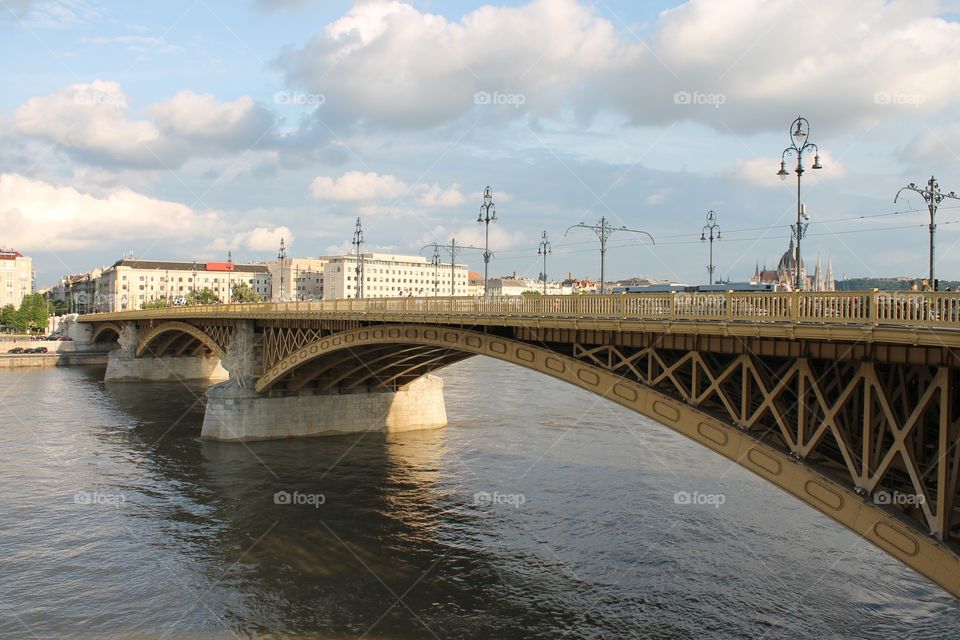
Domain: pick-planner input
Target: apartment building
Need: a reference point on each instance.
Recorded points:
(386, 275)
(16, 277)
(129, 284)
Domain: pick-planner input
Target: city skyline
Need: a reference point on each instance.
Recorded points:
(190, 130)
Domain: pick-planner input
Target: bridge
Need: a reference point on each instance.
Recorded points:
(848, 401)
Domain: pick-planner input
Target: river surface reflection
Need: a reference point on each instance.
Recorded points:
(540, 512)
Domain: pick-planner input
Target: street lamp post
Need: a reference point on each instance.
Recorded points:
(544, 250)
(281, 258)
(799, 144)
(453, 249)
(707, 234)
(488, 214)
(229, 276)
(435, 261)
(604, 230)
(933, 197)
(357, 242)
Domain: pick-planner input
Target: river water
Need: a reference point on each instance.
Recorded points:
(540, 512)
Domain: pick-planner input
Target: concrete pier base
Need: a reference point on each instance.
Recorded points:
(121, 365)
(235, 413)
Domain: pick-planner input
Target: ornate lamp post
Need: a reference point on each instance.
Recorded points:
(604, 230)
(281, 258)
(933, 197)
(435, 261)
(357, 242)
(707, 234)
(544, 250)
(799, 144)
(488, 214)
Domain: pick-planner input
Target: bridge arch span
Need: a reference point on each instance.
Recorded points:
(177, 338)
(434, 346)
(107, 332)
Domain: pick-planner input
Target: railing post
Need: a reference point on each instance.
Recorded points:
(795, 306)
(673, 306)
(875, 306)
(729, 305)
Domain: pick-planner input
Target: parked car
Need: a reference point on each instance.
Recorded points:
(64, 338)
(16, 350)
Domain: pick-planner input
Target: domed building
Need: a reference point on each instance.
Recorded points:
(785, 276)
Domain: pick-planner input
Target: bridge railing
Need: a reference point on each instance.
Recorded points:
(930, 309)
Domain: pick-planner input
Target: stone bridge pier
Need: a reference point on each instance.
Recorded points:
(133, 361)
(236, 411)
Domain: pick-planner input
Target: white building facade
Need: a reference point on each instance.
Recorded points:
(129, 284)
(297, 278)
(392, 276)
(16, 277)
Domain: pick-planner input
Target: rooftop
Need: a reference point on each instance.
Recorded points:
(185, 265)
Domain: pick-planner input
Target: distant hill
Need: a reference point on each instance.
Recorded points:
(886, 284)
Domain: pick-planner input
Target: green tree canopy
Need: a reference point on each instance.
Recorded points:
(32, 314)
(7, 314)
(242, 292)
(204, 296)
(159, 303)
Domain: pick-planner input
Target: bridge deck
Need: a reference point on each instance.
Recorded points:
(927, 318)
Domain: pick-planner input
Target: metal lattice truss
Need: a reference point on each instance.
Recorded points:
(182, 339)
(281, 341)
(887, 430)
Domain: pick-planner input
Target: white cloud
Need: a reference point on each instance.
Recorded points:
(37, 215)
(93, 123)
(260, 239)
(357, 186)
(436, 196)
(501, 238)
(370, 188)
(387, 63)
(762, 172)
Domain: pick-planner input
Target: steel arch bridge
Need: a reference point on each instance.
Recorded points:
(850, 402)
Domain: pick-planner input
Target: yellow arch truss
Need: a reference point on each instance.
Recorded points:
(181, 327)
(923, 553)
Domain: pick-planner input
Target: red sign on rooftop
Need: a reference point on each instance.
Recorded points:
(219, 266)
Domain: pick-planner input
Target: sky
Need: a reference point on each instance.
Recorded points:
(188, 129)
